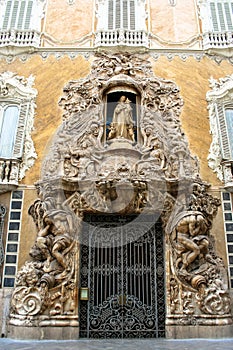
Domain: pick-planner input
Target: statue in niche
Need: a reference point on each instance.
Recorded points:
(122, 121)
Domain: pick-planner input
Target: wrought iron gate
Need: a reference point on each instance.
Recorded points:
(122, 265)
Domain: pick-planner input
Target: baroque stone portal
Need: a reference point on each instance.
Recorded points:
(149, 170)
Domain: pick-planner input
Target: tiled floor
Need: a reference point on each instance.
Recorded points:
(134, 344)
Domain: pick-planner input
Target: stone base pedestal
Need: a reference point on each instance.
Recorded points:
(199, 331)
(43, 333)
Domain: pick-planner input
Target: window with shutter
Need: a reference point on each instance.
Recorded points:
(125, 23)
(20, 23)
(17, 15)
(217, 26)
(110, 14)
(221, 15)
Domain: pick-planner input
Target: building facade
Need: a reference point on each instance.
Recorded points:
(116, 172)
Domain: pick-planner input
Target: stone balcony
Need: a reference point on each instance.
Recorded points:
(121, 37)
(9, 173)
(21, 38)
(218, 43)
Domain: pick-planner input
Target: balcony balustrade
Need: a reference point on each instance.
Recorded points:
(9, 174)
(19, 38)
(218, 40)
(121, 37)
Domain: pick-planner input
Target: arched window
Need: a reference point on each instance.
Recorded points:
(9, 118)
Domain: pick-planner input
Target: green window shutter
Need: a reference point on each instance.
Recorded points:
(214, 17)
(221, 17)
(125, 14)
(28, 15)
(7, 15)
(132, 15)
(110, 14)
(121, 14)
(228, 13)
(14, 15)
(21, 15)
(118, 15)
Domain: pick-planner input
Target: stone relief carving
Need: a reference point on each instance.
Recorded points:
(47, 284)
(194, 264)
(86, 171)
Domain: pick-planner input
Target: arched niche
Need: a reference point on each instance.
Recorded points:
(111, 97)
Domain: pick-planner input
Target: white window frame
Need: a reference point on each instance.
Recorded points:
(18, 91)
(220, 156)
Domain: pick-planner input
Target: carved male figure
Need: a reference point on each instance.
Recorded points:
(191, 235)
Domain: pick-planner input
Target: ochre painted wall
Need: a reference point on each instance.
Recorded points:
(174, 24)
(68, 23)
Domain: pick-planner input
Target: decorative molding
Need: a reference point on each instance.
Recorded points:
(172, 2)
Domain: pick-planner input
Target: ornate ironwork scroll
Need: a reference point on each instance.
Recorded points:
(126, 281)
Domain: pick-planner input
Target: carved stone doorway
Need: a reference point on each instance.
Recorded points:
(122, 265)
(142, 166)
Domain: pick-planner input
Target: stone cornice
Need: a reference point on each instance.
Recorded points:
(72, 53)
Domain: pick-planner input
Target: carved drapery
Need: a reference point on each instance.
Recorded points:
(83, 172)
